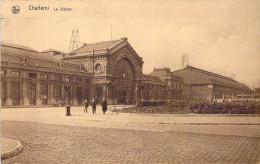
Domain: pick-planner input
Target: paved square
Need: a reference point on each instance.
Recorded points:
(86, 139)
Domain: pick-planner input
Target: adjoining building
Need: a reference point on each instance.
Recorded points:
(201, 84)
(29, 77)
(174, 83)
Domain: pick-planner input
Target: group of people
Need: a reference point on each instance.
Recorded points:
(94, 105)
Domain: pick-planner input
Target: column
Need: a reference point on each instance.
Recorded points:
(104, 94)
(8, 93)
(141, 94)
(136, 94)
(38, 93)
(25, 93)
(74, 94)
(62, 91)
(51, 93)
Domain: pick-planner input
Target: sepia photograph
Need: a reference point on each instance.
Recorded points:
(148, 81)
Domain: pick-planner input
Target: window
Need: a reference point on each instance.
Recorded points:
(99, 92)
(61, 65)
(25, 59)
(87, 81)
(124, 75)
(67, 79)
(15, 73)
(57, 77)
(32, 75)
(79, 80)
(3, 72)
(81, 68)
(44, 76)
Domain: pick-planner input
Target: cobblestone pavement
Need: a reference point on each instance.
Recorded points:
(48, 143)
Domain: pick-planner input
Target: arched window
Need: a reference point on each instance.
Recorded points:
(81, 68)
(61, 65)
(25, 59)
(124, 74)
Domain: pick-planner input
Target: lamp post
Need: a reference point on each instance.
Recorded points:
(67, 101)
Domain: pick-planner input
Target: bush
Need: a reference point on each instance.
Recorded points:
(206, 107)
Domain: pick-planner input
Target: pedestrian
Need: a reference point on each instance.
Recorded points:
(86, 106)
(94, 106)
(104, 105)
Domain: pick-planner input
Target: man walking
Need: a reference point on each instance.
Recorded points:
(86, 106)
(104, 105)
(94, 106)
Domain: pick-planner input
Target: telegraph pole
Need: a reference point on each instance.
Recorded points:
(93, 73)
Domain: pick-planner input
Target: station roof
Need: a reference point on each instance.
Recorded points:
(97, 46)
(196, 76)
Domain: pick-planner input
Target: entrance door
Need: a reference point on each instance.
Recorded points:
(44, 94)
(68, 94)
(123, 97)
(79, 95)
(32, 94)
(87, 94)
(15, 92)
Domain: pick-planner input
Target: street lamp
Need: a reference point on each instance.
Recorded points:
(67, 80)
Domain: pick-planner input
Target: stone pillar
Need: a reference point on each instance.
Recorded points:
(104, 91)
(136, 93)
(63, 95)
(141, 94)
(8, 93)
(25, 93)
(74, 94)
(51, 93)
(38, 93)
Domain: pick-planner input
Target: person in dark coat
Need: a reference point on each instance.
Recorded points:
(86, 106)
(94, 106)
(104, 105)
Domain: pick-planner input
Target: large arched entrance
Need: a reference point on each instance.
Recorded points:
(125, 81)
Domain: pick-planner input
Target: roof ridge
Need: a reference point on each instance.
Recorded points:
(19, 46)
(102, 42)
(204, 71)
(86, 44)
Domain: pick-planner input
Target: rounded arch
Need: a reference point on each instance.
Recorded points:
(125, 74)
(123, 68)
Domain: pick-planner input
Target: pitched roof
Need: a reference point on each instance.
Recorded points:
(50, 50)
(192, 75)
(150, 78)
(97, 46)
(18, 46)
(160, 72)
(13, 50)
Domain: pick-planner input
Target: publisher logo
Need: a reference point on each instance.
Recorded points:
(15, 9)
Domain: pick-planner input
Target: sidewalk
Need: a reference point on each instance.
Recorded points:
(56, 115)
(10, 148)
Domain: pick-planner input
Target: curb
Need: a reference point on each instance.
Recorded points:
(13, 151)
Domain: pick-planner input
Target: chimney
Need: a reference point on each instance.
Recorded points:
(84, 44)
(124, 38)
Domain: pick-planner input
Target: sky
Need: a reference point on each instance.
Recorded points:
(221, 36)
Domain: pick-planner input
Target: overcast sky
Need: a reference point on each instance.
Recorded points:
(220, 36)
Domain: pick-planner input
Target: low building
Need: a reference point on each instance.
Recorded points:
(174, 84)
(201, 84)
(29, 77)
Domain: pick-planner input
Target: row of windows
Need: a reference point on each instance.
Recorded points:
(44, 76)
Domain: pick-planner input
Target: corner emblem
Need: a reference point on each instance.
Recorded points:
(15, 9)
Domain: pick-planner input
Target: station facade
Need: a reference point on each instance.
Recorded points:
(111, 70)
